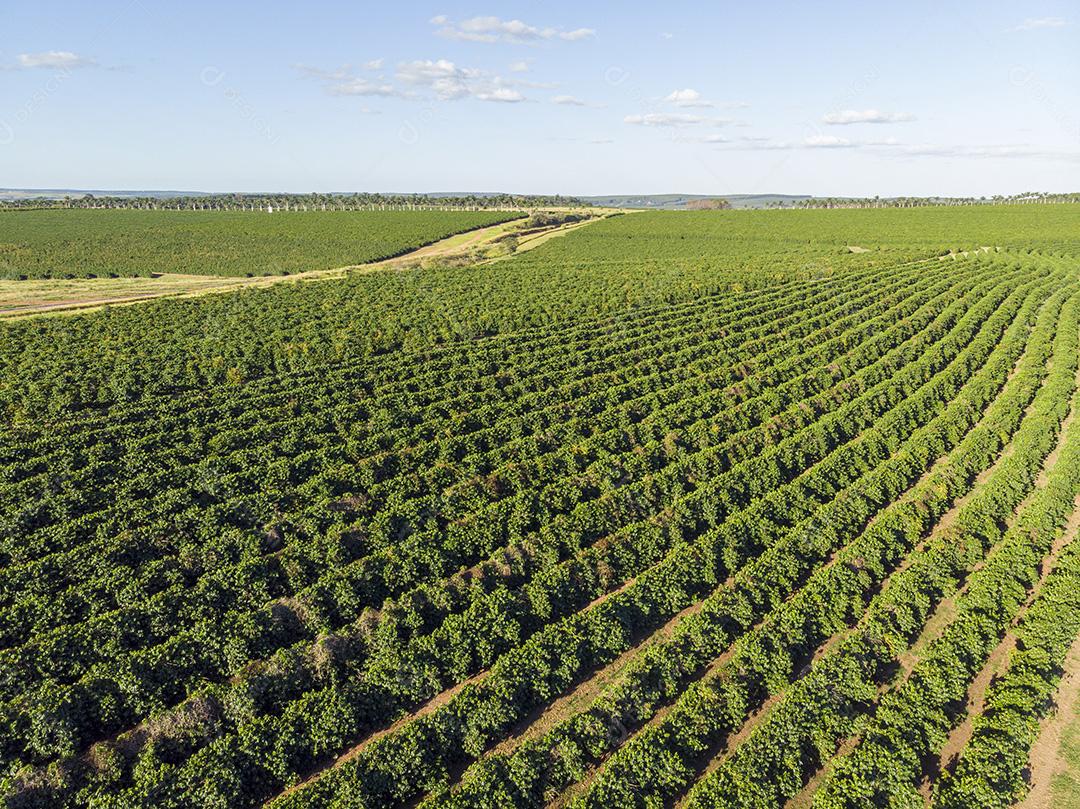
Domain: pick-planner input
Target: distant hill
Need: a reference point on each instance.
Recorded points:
(681, 201)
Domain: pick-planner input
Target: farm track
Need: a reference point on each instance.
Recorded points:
(1046, 759)
(998, 658)
(995, 664)
(942, 613)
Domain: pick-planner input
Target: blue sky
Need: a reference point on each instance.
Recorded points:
(830, 98)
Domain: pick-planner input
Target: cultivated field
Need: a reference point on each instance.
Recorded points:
(754, 509)
(31, 298)
(57, 243)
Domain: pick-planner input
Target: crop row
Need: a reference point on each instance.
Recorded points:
(110, 244)
(914, 351)
(972, 319)
(170, 346)
(429, 606)
(530, 672)
(991, 767)
(434, 369)
(537, 488)
(53, 366)
(299, 446)
(664, 758)
(314, 439)
(203, 549)
(826, 705)
(912, 721)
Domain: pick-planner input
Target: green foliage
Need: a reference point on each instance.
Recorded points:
(397, 516)
(111, 244)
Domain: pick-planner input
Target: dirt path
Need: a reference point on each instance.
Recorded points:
(1046, 759)
(534, 240)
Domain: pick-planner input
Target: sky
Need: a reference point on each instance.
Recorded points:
(825, 98)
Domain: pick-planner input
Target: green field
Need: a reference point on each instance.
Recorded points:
(121, 243)
(741, 509)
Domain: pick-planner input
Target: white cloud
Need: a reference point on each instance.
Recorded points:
(687, 98)
(519, 67)
(674, 119)
(450, 82)
(763, 145)
(577, 34)
(54, 59)
(428, 71)
(666, 35)
(342, 81)
(664, 119)
(827, 142)
(502, 94)
(690, 98)
(866, 117)
(599, 141)
(1035, 23)
(420, 78)
(494, 29)
(574, 101)
(361, 87)
(446, 79)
